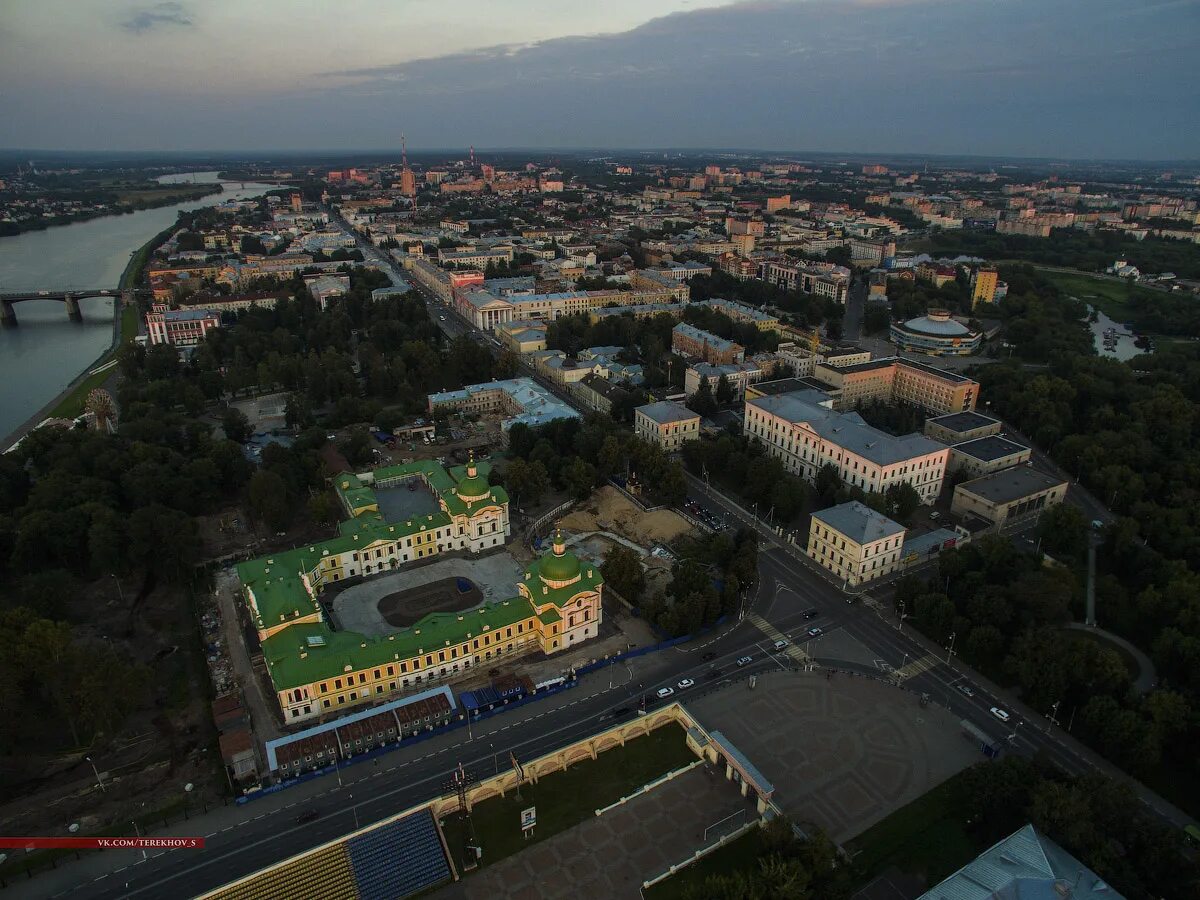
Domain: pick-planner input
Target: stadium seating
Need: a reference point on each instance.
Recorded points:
(326, 874)
(398, 859)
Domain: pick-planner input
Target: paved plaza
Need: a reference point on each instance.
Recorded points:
(611, 855)
(357, 608)
(842, 752)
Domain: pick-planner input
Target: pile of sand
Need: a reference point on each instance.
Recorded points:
(609, 510)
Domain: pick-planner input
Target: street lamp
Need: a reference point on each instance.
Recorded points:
(99, 780)
(950, 649)
(495, 758)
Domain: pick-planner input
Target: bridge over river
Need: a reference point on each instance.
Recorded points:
(70, 298)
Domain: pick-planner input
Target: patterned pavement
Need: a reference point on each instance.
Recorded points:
(611, 855)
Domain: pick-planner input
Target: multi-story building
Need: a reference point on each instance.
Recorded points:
(832, 282)
(740, 312)
(520, 400)
(1009, 495)
(871, 251)
(317, 671)
(957, 428)
(805, 436)
(854, 542)
(180, 327)
(667, 424)
(896, 380)
(935, 334)
(700, 344)
(739, 375)
(983, 285)
(985, 455)
(597, 393)
(774, 204)
(737, 266)
(476, 259)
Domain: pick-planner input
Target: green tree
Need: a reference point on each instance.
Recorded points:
(235, 425)
(579, 477)
(724, 393)
(702, 402)
(622, 571)
(268, 498)
(527, 481)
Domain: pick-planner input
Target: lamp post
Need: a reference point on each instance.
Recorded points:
(99, 780)
(950, 649)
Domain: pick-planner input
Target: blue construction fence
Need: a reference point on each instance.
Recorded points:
(358, 759)
(652, 648)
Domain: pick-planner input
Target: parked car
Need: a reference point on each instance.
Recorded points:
(745, 660)
(1000, 714)
(665, 692)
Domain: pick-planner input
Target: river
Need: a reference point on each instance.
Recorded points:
(46, 352)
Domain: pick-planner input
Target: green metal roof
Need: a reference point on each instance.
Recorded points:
(336, 650)
(549, 616)
(589, 580)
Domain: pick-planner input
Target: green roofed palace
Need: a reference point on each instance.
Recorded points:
(316, 670)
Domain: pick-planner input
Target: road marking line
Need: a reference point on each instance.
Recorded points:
(793, 651)
(916, 667)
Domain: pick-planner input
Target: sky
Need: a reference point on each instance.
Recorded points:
(1064, 78)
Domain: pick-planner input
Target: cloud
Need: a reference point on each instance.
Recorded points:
(160, 15)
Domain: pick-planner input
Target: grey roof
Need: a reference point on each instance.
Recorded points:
(990, 448)
(666, 411)
(1026, 865)
(848, 430)
(751, 770)
(940, 327)
(1010, 484)
(858, 522)
(929, 542)
(887, 361)
(698, 334)
(963, 421)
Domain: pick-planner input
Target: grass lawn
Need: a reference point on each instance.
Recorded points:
(567, 798)
(737, 854)
(72, 404)
(928, 837)
(129, 323)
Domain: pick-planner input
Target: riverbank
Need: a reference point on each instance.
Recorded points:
(167, 197)
(70, 402)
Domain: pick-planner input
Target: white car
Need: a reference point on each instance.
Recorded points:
(686, 683)
(1000, 714)
(815, 632)
(780, 644)
(665, 692)
(965, 691)
(745, 661)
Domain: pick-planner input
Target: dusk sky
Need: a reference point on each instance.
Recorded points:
(1070, 78)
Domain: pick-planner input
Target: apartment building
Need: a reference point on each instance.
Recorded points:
(833, 283)
(896, 380)
(667, 424)
(804, 435)
(739, 375)
(983, 285)
(700, 344)
(740, 312)
(854, 542)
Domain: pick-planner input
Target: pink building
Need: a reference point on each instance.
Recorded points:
(180, 327)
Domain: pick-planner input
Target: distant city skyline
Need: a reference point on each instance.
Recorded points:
(1081, 79)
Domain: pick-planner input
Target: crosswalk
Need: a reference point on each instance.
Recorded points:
(916, 667)
(793, 651)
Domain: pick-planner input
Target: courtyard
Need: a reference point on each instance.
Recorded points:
(365, 607)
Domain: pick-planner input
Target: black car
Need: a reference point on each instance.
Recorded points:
(709, 655)
(309, 815)
(811, 613)
(713, 673)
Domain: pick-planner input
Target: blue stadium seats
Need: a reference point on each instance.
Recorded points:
(398, 859)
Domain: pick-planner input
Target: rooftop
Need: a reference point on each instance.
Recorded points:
(698, 334)
(888, 361)
(858, 522)
(666, 411)
(538, 405)
(963, 421)
(848, 430)
(937, 323)
(1010, 484)
(990, 448)
(1026, 865)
